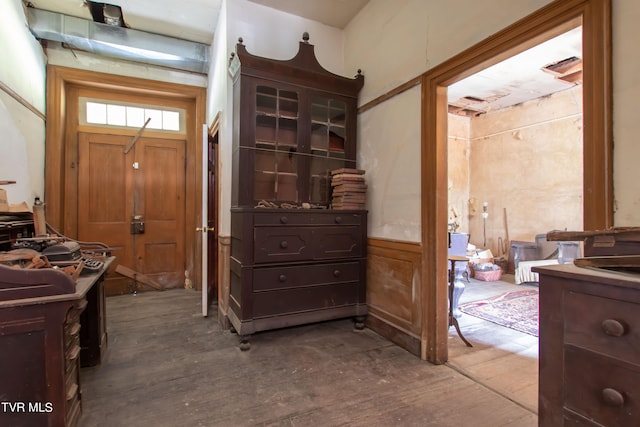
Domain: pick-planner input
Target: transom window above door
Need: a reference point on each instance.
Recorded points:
(125, 115)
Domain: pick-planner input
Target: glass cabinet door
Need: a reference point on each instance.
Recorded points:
(328, 140)
(276, 156)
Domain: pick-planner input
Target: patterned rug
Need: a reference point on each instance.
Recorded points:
(516, 310)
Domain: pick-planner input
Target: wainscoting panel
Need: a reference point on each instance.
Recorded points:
(224, 262)
(393, 292)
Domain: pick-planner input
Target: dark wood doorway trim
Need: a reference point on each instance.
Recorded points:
(60, 80)
(554, 19)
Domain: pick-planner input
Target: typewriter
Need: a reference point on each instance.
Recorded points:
(62, 253)
(70, 252)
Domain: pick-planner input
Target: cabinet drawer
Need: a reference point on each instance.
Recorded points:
(301, 299)
(594, 323)
(275, 244)
(600, 389)
(272, 244)
(338, 242)
(306, 217)
(267, 279)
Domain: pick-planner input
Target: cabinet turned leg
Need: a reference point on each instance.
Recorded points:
(359, 322)
(245, 345)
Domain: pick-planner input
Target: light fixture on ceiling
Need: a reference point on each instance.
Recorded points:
(106, 13)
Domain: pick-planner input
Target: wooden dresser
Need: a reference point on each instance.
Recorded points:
(50, 326)
(589, 347)
(290, 267)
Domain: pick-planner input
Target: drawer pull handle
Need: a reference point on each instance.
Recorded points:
(282, 278)
(284, 244)
(284, 219)
(336, 273)
(613, 328)
(612, 397)
(338, 219)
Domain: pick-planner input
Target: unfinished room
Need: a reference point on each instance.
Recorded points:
(300, 212)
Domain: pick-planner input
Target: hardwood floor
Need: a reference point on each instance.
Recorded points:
(168, 366)
(502, 359)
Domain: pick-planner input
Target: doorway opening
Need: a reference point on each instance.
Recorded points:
(515, 172)
(159, 154)
(557, 18)
(515, 157)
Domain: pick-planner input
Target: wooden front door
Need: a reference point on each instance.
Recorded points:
(135, 203)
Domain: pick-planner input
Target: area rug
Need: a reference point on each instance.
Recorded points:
(516, 310)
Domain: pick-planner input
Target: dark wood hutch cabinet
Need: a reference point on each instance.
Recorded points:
(293, 259)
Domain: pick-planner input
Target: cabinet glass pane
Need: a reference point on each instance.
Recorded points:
(319, 140)
(287, 132)
(276, 175)
(288, 104)
(287, 176)
(266, 100)
(327, 127)
(266, 130)
(264, 187)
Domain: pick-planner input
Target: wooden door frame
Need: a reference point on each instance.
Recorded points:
(554, 19)
(58, 166)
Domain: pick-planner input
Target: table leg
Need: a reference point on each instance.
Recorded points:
(456, 288)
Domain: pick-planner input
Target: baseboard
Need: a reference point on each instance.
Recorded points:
(394, 334)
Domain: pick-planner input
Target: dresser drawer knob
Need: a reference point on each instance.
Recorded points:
(284, 244)
(338, 219)
(336, 273)
(612, 397)
(613, 328)
(284, 219)
(282, 278)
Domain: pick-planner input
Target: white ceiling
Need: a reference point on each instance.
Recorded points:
(519, 78)
(195, 20)
(513, 81)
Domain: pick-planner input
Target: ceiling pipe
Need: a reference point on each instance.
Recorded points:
(119, 42)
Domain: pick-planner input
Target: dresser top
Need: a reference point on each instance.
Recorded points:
(600, 275)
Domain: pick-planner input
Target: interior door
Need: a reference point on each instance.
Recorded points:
(209, 211)
(134, 202)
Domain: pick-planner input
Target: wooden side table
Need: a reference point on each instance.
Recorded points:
(456, 288)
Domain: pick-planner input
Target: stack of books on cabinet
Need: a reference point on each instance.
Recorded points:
(349, 190)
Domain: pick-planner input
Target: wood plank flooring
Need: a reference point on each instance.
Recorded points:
(502, 359)
(168, 366)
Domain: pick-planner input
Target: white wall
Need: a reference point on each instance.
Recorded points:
(392, 164)
(269, 33)
(626, 126)
(22, 70)
(393, 42)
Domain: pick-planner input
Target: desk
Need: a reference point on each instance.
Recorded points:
(49, 327)
(456, 288)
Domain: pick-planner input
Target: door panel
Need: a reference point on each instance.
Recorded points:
(148, 181)
(160, 201)
(103, 206)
